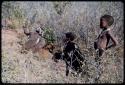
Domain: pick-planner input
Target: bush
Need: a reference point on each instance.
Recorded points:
(49, 35)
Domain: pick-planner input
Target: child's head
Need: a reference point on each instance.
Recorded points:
(70, 36)
(106, 21)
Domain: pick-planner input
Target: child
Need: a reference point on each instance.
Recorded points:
(72, 54)
(103, 39)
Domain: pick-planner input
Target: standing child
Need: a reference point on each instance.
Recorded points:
(72, 54)
(102, 41)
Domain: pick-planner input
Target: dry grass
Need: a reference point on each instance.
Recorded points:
(82, 18)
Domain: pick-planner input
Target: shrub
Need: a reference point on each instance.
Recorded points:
(49, 35)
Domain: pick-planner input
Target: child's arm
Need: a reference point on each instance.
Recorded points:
(113, 39)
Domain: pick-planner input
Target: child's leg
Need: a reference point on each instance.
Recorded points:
(67, 69)
(99, 55)
(98, 64)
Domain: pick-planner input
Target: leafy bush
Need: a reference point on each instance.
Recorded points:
(49, 35)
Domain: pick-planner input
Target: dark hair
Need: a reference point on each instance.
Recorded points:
(70, 36)
(109, 19)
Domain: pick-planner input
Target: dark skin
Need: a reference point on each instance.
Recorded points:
(103, 41)
(104, 37)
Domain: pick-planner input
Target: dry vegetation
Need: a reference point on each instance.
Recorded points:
(82, 18)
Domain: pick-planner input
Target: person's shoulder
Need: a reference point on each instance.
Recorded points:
(109, 32)
(71, 43)
(76, 45)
